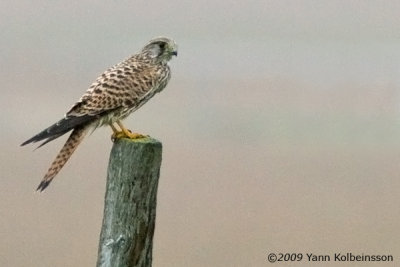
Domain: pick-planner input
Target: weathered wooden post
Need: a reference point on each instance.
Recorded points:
(126, 238)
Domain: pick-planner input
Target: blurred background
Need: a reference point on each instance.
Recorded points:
(280, 128)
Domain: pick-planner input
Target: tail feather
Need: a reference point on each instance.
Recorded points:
(65, 153)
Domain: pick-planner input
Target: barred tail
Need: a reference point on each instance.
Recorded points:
(65, 153)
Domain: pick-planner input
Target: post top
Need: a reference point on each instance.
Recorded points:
(147, 139)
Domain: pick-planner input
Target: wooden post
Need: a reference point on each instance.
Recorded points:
(126, 238)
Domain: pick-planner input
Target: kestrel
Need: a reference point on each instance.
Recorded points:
(115, 94)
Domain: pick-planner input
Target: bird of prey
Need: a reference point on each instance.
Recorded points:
(115, 94)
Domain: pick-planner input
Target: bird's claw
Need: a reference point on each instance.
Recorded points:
(128, 134)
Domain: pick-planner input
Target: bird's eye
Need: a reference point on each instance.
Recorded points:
(162, 46)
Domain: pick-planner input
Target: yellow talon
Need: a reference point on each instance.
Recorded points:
(129, 134)
(124, 133)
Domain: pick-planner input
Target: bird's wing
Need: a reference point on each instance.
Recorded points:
(122, 86)
(87, 110)
(59, 128)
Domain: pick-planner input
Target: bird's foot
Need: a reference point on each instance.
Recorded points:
(126, 134)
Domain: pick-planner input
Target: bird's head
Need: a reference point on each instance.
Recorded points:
(161, 48)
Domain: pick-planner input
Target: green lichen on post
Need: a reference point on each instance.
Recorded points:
(130, 203)
(146, 139)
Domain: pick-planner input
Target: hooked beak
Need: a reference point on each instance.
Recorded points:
(175, 53)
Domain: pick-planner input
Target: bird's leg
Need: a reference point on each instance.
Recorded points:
(124, 133)
(115, 132)
(113, 128)
(128, 133)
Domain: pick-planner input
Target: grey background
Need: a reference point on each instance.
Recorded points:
(280, 128)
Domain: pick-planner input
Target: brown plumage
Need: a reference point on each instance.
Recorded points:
(115, 94)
